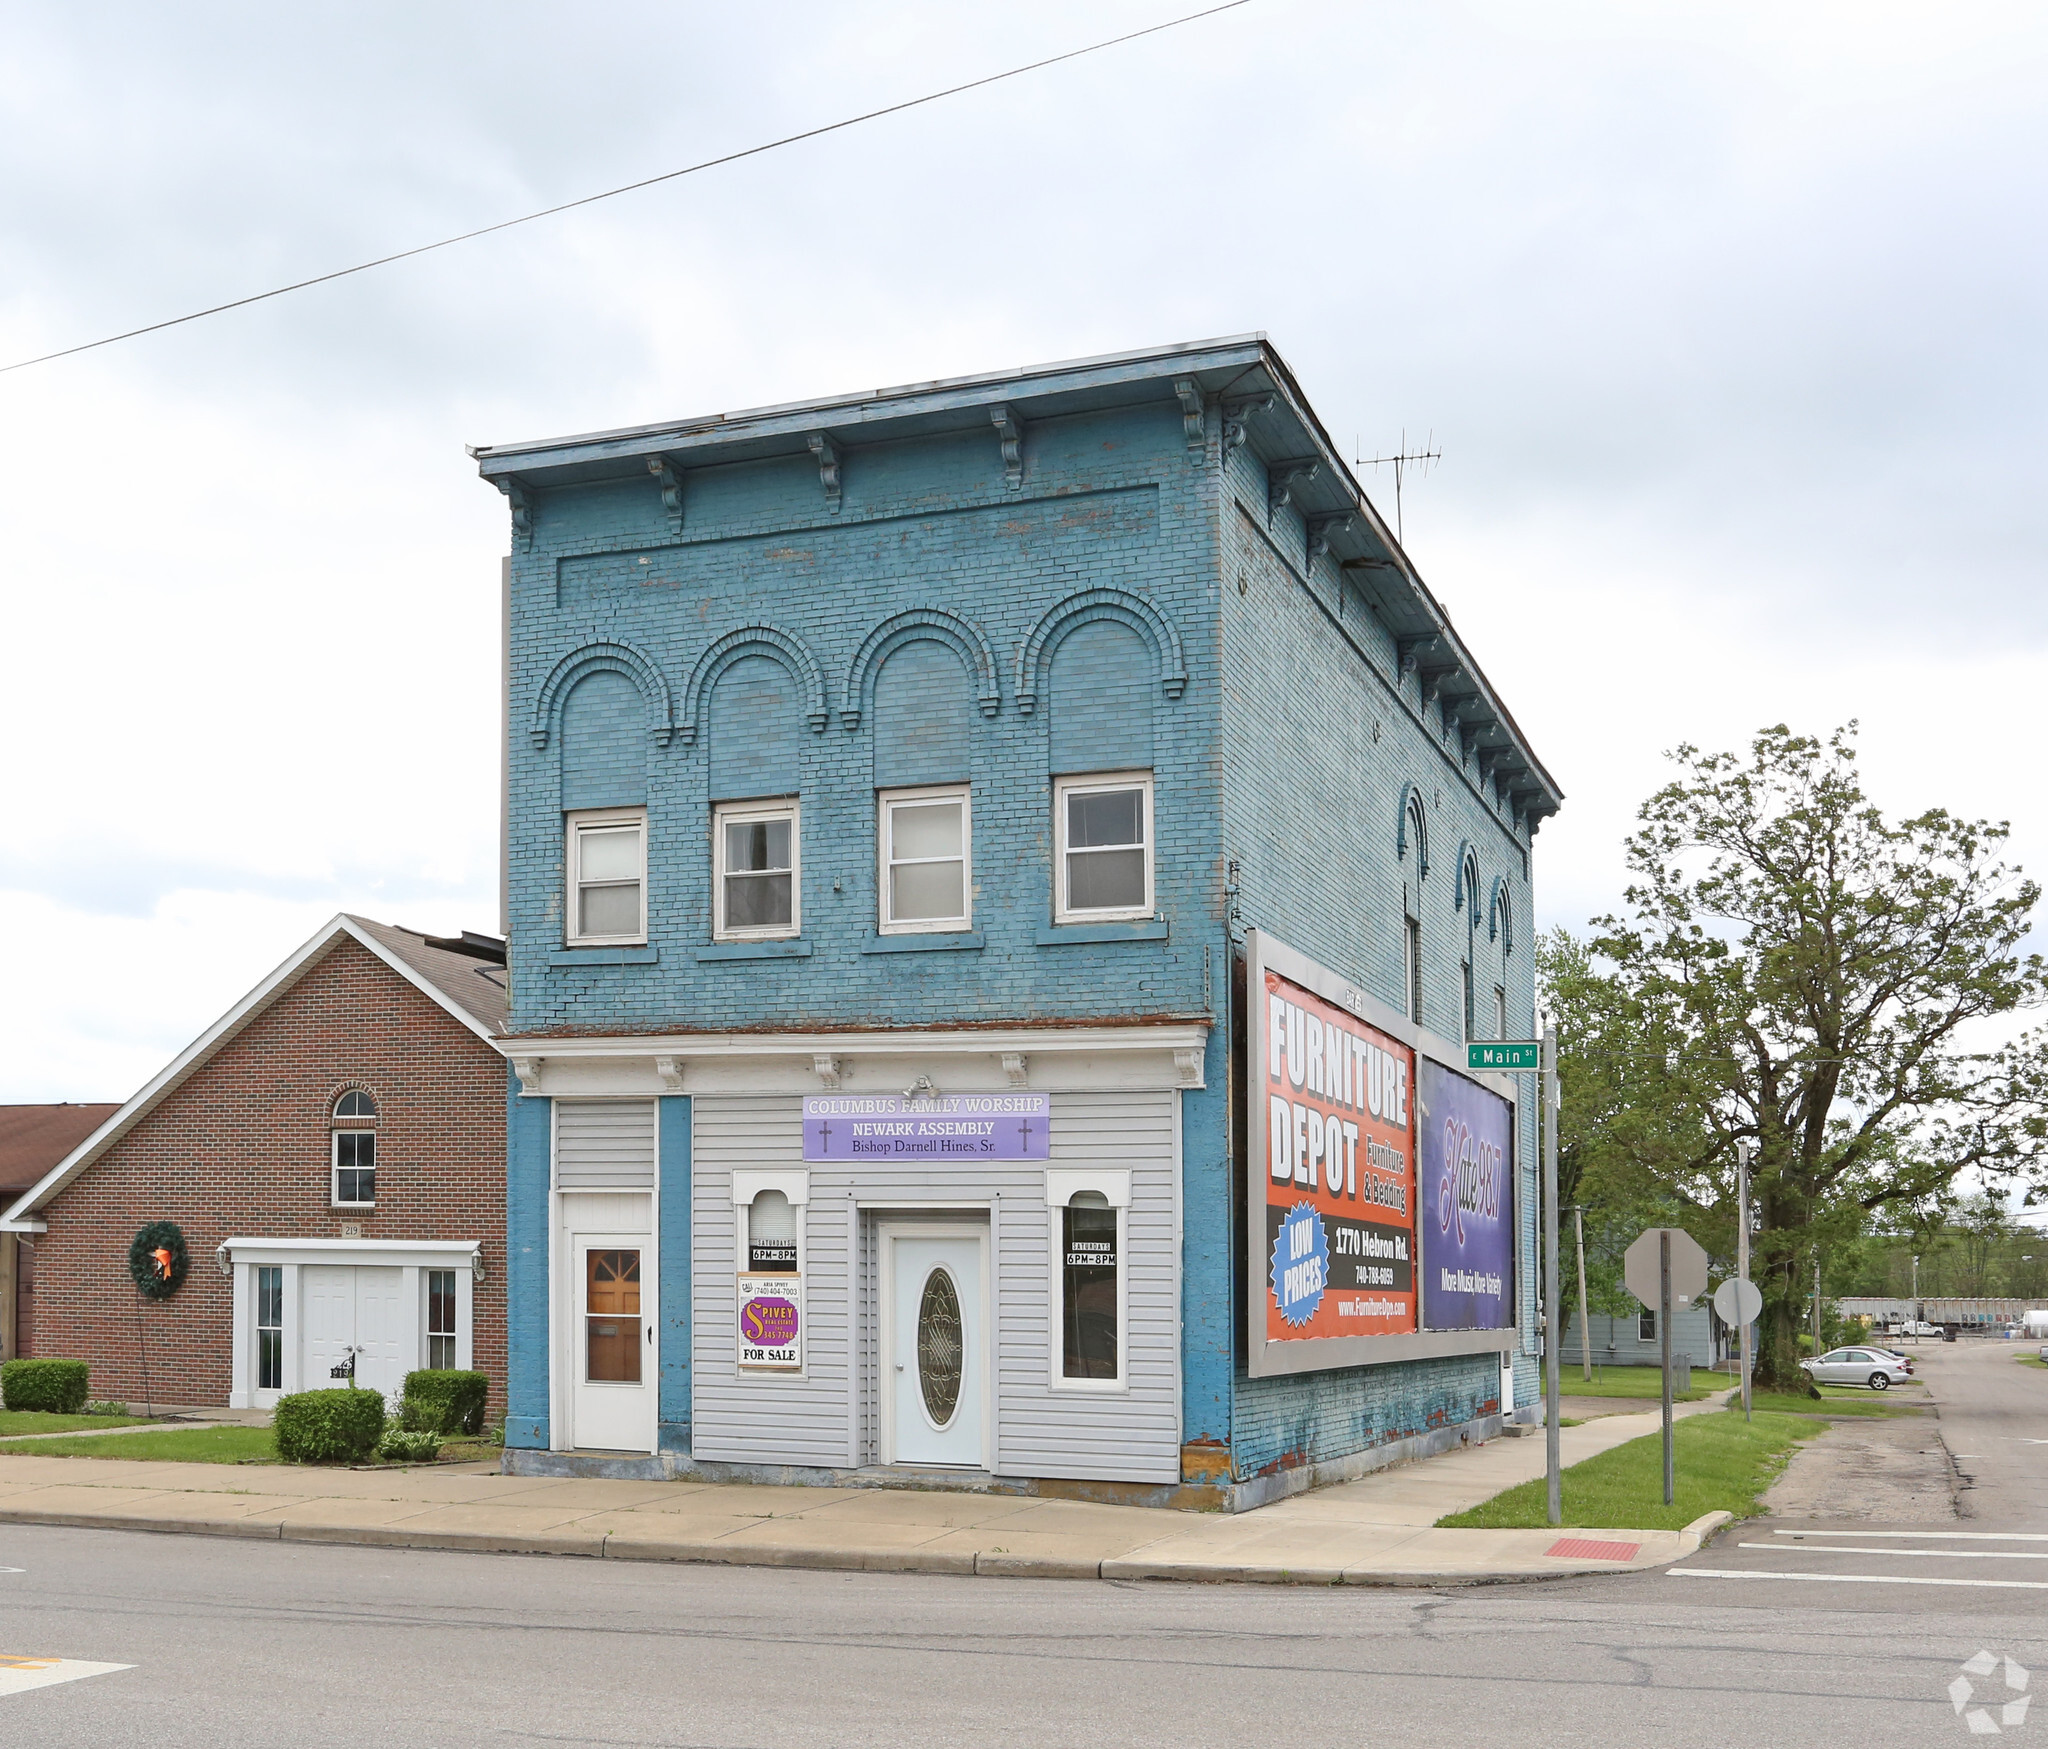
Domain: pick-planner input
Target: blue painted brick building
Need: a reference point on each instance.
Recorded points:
(895, 784)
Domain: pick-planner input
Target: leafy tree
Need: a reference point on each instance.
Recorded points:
(1797, 970)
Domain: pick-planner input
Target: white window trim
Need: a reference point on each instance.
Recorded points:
(575, 825)
(887, 800)
(721, 814)
(334, 1164)
(464, 1279)
(1093, 781)
(1062, 1184)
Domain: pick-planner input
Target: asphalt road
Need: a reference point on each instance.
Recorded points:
(302, 1644)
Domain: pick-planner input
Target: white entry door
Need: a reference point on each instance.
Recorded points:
(935, 1357)
(353, 1311)
(612, 1397)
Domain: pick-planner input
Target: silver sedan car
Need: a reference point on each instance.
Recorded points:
(1857, 1366)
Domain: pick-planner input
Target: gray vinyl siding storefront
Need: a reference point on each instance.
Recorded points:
(828, 1418)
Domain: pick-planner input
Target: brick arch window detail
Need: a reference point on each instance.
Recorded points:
(1412, 832)
(352, 1149)
(736, 646)
(1500, 926)
(1467, 897)
(935, 624)
(1093, 604)
(352, 1106)
(619, 658)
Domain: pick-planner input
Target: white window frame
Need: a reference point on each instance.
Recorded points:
(723, 814)
(1062, 1185)
(334, 1163)
(458, 1338)
(575, 825)
(887, 801)
(1093, 782)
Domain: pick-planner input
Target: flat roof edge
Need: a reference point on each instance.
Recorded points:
(1224, 349)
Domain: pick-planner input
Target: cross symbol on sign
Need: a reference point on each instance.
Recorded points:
(825, 1134)
(1024, 1132)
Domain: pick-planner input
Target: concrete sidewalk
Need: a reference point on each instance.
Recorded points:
(1377, 1530)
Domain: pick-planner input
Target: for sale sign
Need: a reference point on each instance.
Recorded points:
(771, 1320)
(1335, 1109)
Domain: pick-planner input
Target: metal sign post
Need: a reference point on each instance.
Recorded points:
(1665, 1268)
(1585, 1323)
(1553, 1472)
(1742, 1260)
(1664, 1330)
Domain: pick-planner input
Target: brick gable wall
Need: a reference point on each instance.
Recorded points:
(241, 1150)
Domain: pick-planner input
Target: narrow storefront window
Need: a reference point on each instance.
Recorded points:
(270, 1328)
(1088, 1292)
(441, 1318)
(771, 1235)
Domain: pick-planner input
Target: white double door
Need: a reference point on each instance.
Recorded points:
(935, 1362)
(354, 1312)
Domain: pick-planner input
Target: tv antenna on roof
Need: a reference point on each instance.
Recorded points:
(1400, 461)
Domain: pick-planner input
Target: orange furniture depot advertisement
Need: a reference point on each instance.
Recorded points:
(1338, 1100)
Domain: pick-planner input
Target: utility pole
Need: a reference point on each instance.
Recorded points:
(1742, 1153)
(1585, 1324)
(1553, 1468)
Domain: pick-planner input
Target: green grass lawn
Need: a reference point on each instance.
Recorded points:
(42, 1421)
(1722, 1463)
(1832, 1402)
(2031, 1360)
(190, 1445)
(1629, 1381)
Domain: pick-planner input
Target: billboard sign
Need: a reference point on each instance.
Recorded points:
(1379, 1213)
(1334, 1096)
(1465, 1149)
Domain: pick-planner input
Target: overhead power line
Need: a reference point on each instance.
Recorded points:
(631, 187)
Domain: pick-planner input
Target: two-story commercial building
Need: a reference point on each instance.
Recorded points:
(1000, 872)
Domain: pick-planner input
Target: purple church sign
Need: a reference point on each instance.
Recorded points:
(950, 1126)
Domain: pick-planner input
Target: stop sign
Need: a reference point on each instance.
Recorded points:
(1641, 1268)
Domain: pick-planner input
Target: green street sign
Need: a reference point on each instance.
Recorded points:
(1524, 1053)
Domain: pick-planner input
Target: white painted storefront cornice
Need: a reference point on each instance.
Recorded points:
(957, 1060)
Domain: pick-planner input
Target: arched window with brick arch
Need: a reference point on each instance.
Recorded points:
(353, 1144)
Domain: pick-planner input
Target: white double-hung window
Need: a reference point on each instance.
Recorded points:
(1103, 825)
(926, 875)
(757, 872)
(607, 863)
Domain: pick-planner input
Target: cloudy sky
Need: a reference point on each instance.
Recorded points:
(1726, 319)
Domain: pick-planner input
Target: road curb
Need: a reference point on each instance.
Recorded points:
(954, 1562)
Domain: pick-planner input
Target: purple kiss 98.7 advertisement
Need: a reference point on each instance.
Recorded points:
(1465, 1202)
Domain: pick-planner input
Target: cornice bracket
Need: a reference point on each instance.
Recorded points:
(1193, 423)
(1237, 417)
(1011, 430)
(1320, 528)
(829, 1070)
(827, 453)
(1187, 1065)
(528, 1071)
(1282, 479)
(671, 490)
(1017, 1067)
(670, 1069)
(522, 509)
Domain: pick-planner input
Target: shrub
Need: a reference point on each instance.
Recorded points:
(409, 1448)
(328, 1427)
(57, 1386)
(104, 1406)
(441, 1401)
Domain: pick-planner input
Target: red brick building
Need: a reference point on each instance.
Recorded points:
(333, 1151)
(33, 1138)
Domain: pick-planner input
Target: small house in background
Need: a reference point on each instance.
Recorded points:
(1632, 1339)
(33, 1138)
(320, 1177)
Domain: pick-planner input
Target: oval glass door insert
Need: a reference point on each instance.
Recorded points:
(939, 1348)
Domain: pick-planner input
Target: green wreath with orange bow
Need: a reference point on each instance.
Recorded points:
(158, 1260)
